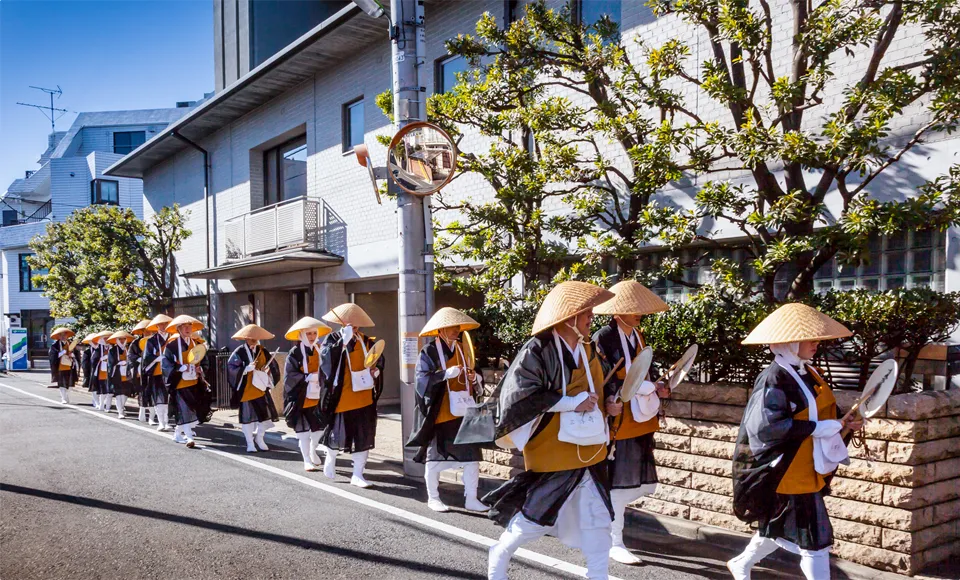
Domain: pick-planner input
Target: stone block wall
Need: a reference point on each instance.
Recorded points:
(896, 506)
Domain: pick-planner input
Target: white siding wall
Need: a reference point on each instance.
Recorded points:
(101, 138)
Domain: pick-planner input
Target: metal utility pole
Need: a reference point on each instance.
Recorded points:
(407, 17)
(51, 111)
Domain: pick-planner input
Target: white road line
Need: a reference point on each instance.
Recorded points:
(454, 531)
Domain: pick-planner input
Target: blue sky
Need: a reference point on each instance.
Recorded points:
(105, 55)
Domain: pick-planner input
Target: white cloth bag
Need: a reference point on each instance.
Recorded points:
(459, 401)
(581, 427)
(313, 379)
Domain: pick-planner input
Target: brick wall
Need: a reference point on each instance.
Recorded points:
(895, 507)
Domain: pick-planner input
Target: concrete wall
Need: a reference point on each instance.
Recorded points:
(101, 138)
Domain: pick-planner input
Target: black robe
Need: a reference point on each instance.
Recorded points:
(431, 386)
(529, 388)
(768, 432)
(198, 398)
(134, 354)
(120, 386)
(97, 354)
(235, 365)
(295, 389)
(88, 381)
(332, 353)
(154, 388)
(64, 379)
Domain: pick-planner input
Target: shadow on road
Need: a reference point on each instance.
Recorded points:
(235, 530)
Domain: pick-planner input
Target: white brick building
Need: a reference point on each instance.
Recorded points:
(70, 177)
(294, 226)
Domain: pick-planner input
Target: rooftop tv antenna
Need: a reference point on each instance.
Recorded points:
(49, 112)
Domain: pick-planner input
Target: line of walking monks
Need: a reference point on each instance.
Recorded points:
(586, 454)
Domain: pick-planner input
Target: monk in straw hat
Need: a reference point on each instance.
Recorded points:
(633, 472)
(789, 445)
(445, 387)
(118, 366)
(99, 368)
(155, 393)
(63, 364)
(348, 407)
(134, 356)
(184, 379)
(302, 378)
(251, 379)
(548, 410)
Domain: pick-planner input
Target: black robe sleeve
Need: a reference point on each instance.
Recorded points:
(331, 355)
(134, 354)
(96, 355)
(85, 363)
(170, 366)
(527, 388)
(54, 358)
(428, 397)
(294, 386)
(151, 352)
(113, 369)
(767, 442)
(235, 365)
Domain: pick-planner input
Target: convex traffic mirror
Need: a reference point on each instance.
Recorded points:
(422, 158)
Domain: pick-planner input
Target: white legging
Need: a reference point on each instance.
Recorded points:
(621, 498)
(815, 564)
(471, 477)
(594, 543)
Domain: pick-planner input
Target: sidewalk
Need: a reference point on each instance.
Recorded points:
(389, 453)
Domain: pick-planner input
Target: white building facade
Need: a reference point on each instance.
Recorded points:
(70, 177)
(266, 167)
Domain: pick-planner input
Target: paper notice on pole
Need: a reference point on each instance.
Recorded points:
(411, 350)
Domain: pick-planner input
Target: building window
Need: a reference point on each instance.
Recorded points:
(285, 171)
(126, 141)
(446, 73)
(298, 304)
(104, 192)
(353, 124)
(589, 12)
(27, 283)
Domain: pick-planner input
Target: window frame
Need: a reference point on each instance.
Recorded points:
(96, 191)
(131, 147)
(21, 264)
(438, 88)
(346, 126)
(277, 173)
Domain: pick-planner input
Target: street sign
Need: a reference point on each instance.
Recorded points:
(421, 159)
(18, 349)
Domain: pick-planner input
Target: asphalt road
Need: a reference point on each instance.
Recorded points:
(83, 496)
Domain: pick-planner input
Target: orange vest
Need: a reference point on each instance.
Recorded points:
(801, 477)
(350, 399)
(251, 392)
(313, 366)
(456, 384)
(545, 453)
(156, 367)
(64, 367)
(122, 356)
(101, 373)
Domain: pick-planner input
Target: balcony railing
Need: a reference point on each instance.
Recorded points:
(41, 214)
(296, 223)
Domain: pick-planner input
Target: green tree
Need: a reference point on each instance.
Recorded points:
(107, 268)
(615, 133)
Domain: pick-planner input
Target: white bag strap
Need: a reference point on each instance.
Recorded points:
(625, 346)
(443, 359)
(303, 351)
(583, 357)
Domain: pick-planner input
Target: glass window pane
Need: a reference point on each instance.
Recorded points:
(896, 263)
(592, 10)
(294, 169)
(271, 181)
(448, 73)
(921, 282)
(825, 271)
(923, 261)
(355, 124)
(24, 273)
(895, 282)
(871, 284)
(923, 239)
(871, 267)
(109, 192)
(897, 241)
(848, 284)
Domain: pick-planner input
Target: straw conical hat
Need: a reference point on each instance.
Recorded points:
(140, 327)
(103, 334)
(632, 297)
(113, 338)
(567, 300)
(796, 323)
(184, 319)
(253, 332)
(159, 323)
(447, 317)
(88, 339)
(349, 313)
(306, 323)
(62, 332)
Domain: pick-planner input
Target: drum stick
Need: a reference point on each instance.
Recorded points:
(607, 378)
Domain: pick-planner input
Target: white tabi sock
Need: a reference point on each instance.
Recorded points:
(359, 462)
(261, 431)
(64, 395)
(107, 402)
(248, 429)
(330, 463)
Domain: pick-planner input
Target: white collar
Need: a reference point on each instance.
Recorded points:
(575, 352)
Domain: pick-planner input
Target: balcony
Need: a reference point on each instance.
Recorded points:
(296, 234)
